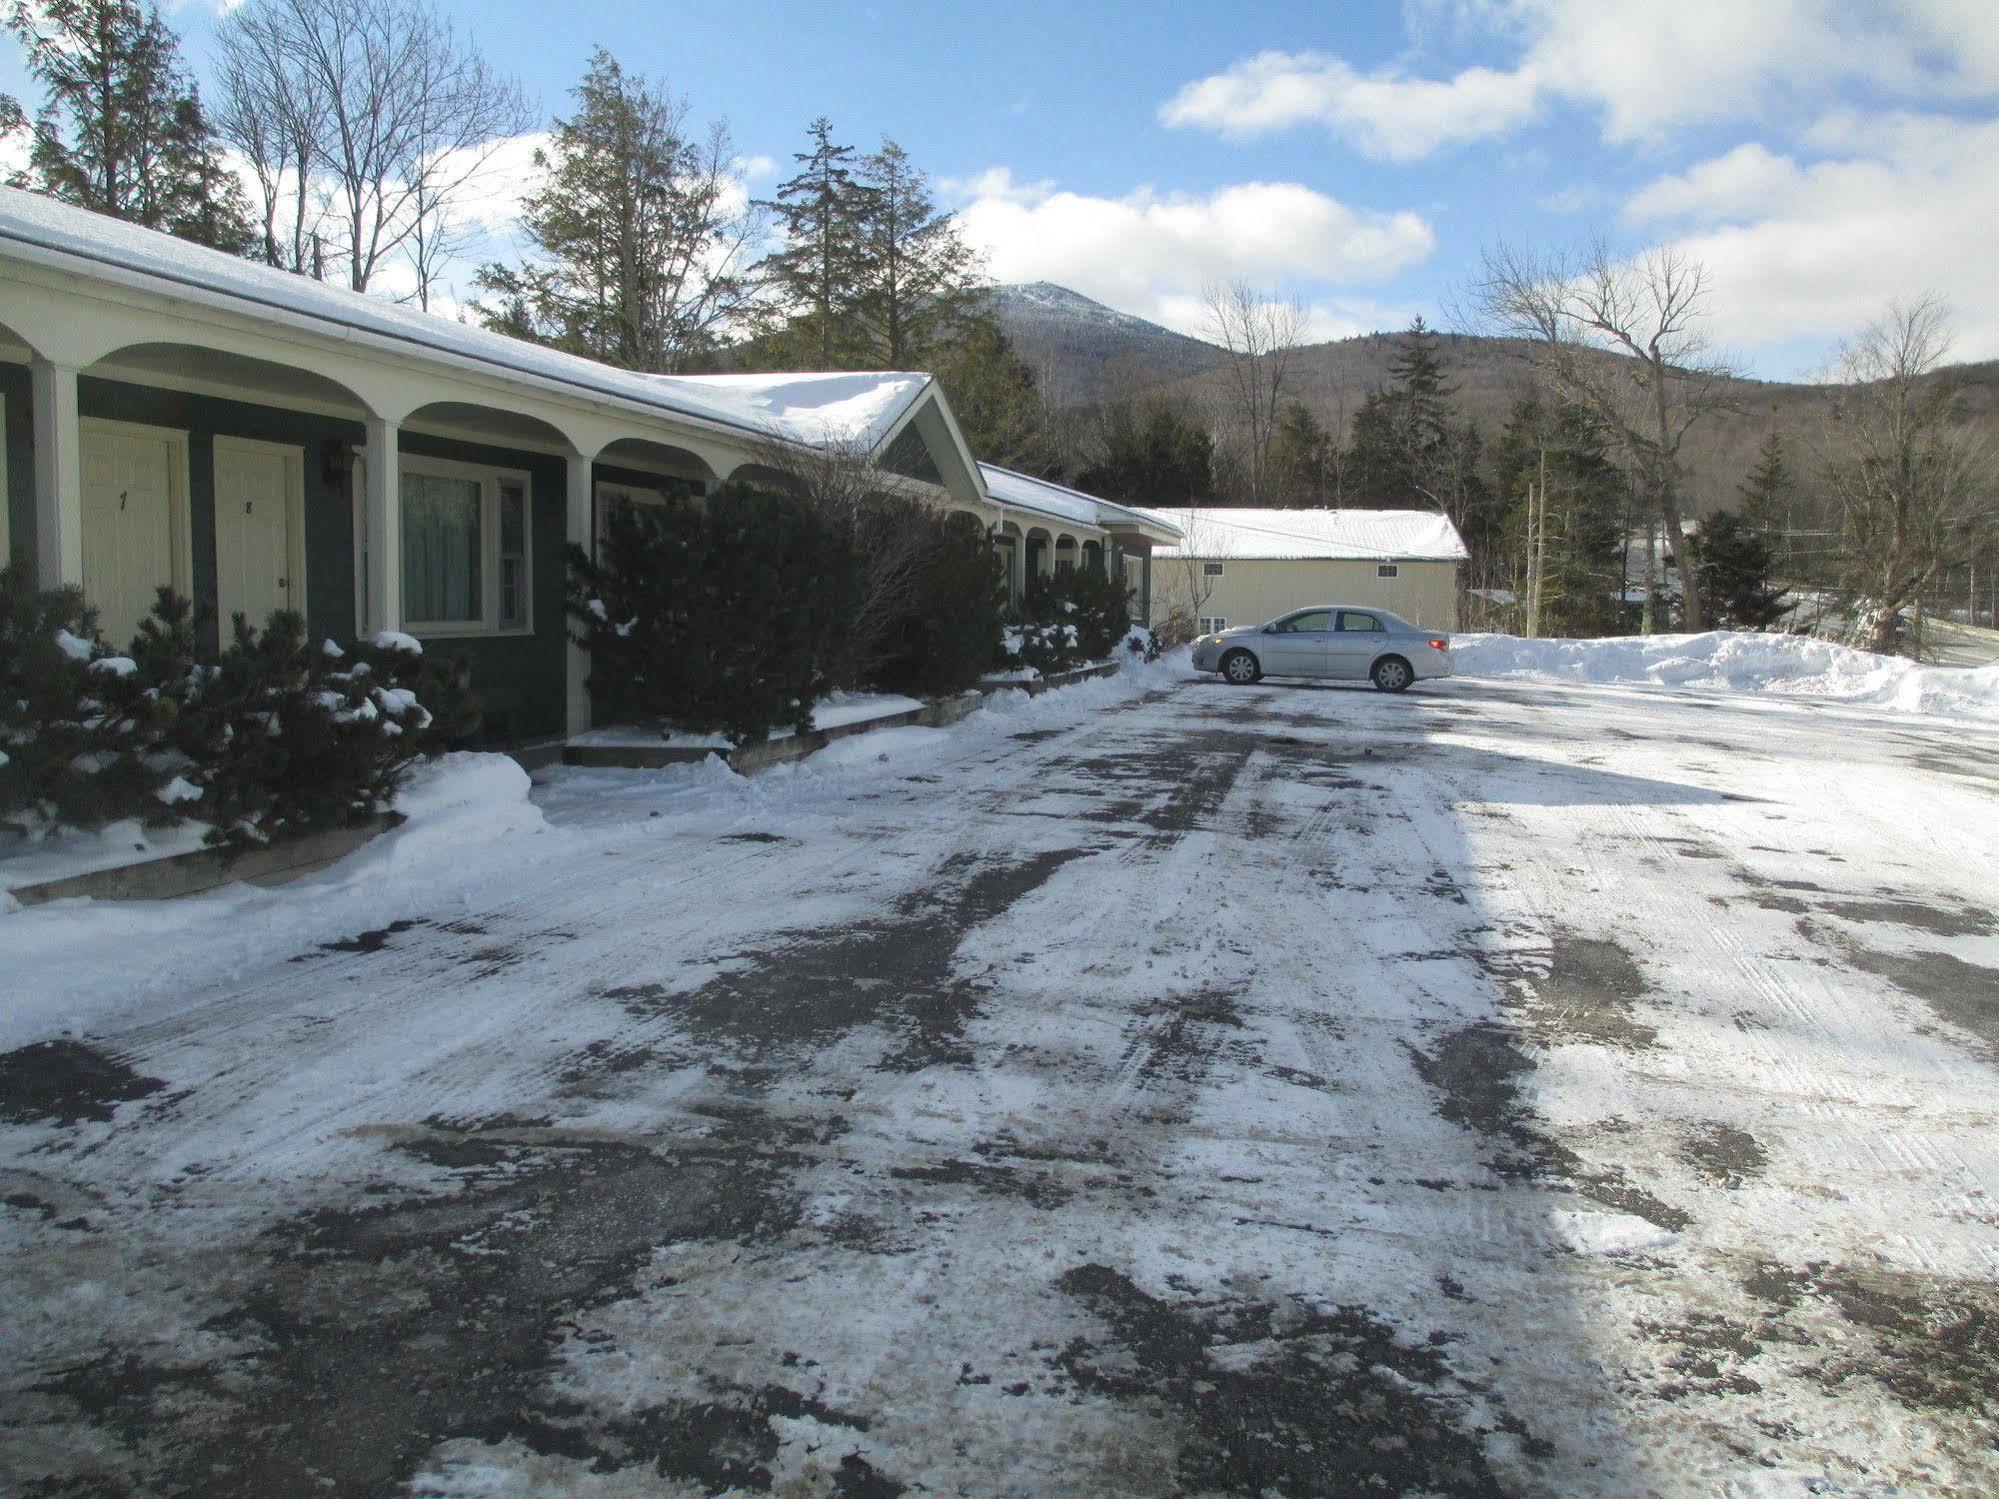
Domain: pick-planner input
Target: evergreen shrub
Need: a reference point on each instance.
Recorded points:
(942, 637)
(724, 615)
(270, 737)
(1068, 619)
(77, 725)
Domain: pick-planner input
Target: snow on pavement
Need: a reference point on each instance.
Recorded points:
(1148, 1087)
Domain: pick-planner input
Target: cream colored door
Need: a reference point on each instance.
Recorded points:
(132, 522)
(259, 546)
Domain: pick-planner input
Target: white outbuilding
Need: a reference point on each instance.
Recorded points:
(1242, 567)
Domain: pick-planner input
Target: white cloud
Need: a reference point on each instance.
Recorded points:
(1386, 114)
(1747, 179)
(1645, 66)
(995, 183)
(500, 176)
(1813, 250)
(1150, 253)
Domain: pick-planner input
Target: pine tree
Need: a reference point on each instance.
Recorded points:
(997, 399)
(1734, 560)
(1304, 460)
(121, 130)
(1416, 375)
(637, 246)
(1577, 520)
(1404, 449)
(819, 274)
(1152, 458)
(1769, 498)
(919, 280)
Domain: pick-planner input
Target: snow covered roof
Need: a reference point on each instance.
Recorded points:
(1371, 535)
(1059, 502)
(809, 409)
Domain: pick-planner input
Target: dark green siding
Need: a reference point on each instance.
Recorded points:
(520, 676)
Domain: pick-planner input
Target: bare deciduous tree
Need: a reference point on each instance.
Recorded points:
(362, 120)
(1576, 309)
(1909, 475)
(1260, 334)
(275, 123)
(1182, 584)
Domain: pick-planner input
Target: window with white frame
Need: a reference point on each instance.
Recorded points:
(1211, 569)
(466, 564)
(1212, 623)
(1387, 570)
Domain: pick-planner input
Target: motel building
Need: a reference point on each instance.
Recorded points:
(257, 440)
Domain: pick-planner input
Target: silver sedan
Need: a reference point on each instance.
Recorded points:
(1332, 641)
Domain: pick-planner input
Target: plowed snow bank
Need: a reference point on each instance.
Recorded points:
(1742, 661)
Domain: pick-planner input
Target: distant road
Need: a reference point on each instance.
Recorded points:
(1964, 645)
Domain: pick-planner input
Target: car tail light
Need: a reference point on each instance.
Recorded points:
(1440, 645)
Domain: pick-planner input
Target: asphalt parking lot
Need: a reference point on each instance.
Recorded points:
(1293, 1089)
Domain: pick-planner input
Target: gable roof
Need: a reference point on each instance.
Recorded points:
(1059, 502)
(812, 410)
(1298, 535)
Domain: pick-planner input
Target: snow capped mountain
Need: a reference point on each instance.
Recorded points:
(1086, 349)
(1046, 299)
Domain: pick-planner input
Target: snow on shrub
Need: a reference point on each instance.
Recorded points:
(78, 741)
(267, 738)
(1068, 619)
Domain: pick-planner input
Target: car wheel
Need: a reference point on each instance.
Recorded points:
(1240, 668)
(1392, 674)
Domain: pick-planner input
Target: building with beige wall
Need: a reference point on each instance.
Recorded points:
(1245, 567)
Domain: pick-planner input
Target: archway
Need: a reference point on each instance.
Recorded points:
(1040, 552)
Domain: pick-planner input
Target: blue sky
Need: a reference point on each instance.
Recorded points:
(1823, 156)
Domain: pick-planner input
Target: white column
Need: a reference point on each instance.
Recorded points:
(382, 529)
(58, 476)
(1019, 565)
(580, 532)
